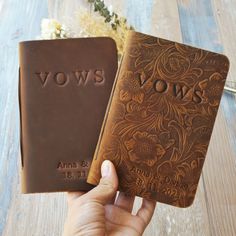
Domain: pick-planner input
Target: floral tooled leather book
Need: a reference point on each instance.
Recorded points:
(160, 118)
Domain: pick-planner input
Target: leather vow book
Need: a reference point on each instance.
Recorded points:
(160, 118)
(64, 87)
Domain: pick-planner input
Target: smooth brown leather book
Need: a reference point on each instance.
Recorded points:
(64, 90)
(160, 119)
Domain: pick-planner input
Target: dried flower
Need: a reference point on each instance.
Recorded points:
(109, 16)
(102, 22)
(52, 29)
(94, 26)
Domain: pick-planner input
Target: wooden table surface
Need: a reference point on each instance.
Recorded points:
(210, 24)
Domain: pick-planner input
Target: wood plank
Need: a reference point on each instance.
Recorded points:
(36, 214)
(219, 177)
(165, 20)
(139, 15)
(225, 15)
(198, 24)
(200, 28)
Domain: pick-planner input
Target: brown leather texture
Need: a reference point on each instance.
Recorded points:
(64, 88)
(160, 119)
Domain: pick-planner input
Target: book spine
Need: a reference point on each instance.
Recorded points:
(95, 169)
(23, 174)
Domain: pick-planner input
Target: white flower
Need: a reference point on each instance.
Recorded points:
(110, 9)
(52, 29)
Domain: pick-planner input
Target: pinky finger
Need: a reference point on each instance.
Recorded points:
(146, 211)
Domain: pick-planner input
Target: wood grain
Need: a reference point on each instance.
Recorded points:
(208, 24)
(165, 20)
(14, 26)
(225, 15)
(219, 171)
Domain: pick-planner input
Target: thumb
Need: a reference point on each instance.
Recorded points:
(107, 187)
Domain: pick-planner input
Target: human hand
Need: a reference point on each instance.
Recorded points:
(97, 213)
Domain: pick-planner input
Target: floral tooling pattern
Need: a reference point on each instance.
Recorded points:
(161, 117)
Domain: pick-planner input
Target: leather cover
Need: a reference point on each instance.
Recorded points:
(64, 90)
(160, 118)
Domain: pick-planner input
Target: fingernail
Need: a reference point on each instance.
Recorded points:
(105, 168)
